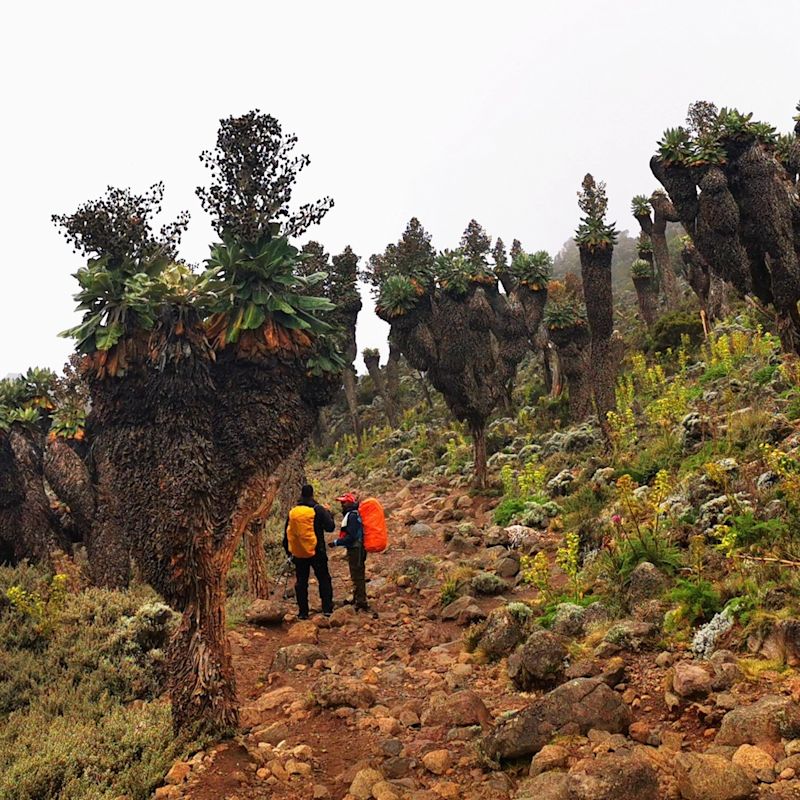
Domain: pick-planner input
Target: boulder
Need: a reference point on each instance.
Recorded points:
(710, 777)
(334, 691)
(757, 763)
(457, 710)
(547, 786)
(631, 635)
(437, 761)
(779, 641)
(264, 613)
(573, 708)
(501, 634)
(767, 720)
(550, 757)
(612, 776)
(294, 655)
(363, 783)
(464, 610)
(574, 620)
(252, 713)
(538, 663)
(647, 582)
(690, 680)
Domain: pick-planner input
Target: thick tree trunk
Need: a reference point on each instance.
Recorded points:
(574, 352)
(596, 275)
(426, 392)
(647, 298)
(552, 369)
(29, 524)
(393, 384)
(68, 477)
(349, 380)
(664, 212)
(257, 576)
(478, 431)
(202, 684)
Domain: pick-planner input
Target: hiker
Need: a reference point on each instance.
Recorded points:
(304, 541)
(352, 537)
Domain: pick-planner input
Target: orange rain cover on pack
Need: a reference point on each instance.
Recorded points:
(373, 519)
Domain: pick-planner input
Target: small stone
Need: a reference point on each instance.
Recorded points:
(178, 772)
(437, 761)
(365, 779)
(550, 757)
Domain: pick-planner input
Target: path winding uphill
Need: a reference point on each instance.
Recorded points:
(394, 708)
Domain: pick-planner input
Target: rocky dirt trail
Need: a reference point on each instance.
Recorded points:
(394, 707)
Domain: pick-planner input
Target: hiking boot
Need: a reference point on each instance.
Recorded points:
(302, 616)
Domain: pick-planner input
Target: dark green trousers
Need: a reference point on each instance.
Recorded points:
(357, 559)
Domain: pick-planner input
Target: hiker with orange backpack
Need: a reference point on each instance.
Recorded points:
(304, 541)
(363, 530)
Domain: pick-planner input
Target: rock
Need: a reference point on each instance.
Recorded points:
(334, 691)
(507, 567)
(457, 710)
(462, 546)
(647, 582)
(273, 734)
(293, 655)
(457, 607)
(437, 761)
(341, 616)
(265, 613)
(574, 620)
(547, 786)
(757, 763)
(303, 632)
(252, 713)
(178, 772)
(501, 634)
(572, 708)
(766, 720)
(398, 767)
(779, 641)
(538, 663)
(612, 776)
(690, 680)
(364, 781)
(631, 635)
(726, 670)
(550, 757)
(421, 529)
(766, 480)
(710, 777)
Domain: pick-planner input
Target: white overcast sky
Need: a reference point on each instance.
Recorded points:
(444, 109)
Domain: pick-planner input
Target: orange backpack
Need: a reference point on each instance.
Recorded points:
(373, 520)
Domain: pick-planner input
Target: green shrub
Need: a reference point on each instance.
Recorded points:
(698, 601)
(507, 510)
(68, 727)
(669, 329)
(488, 583)
(765, 374)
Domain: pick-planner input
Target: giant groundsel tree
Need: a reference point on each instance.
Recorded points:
(595, 239)
(733, 183)
(202, 384)
(451, 322)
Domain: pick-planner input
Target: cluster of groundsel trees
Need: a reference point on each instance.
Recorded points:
(202, 386)
(451, 320)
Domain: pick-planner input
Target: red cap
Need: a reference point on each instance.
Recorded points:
(348, 497)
